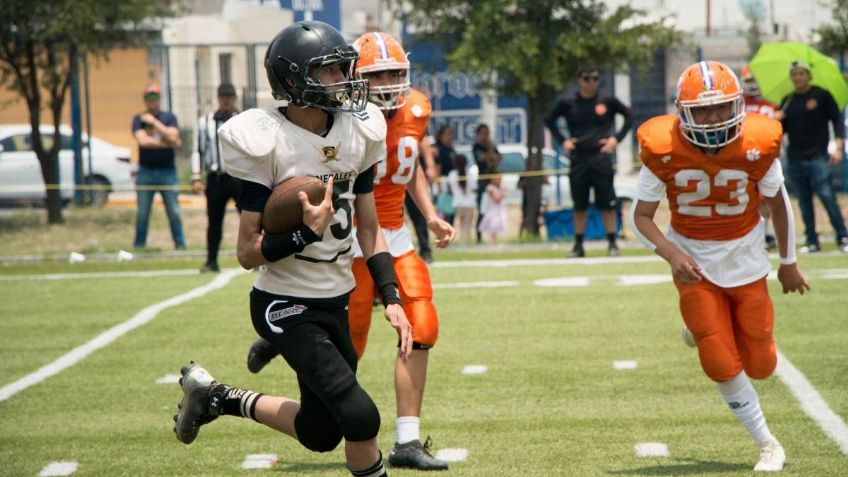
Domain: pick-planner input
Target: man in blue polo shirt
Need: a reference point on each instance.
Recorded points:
(158, 136)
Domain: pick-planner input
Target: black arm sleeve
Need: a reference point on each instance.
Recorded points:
(279, 246)
(364, 182)
(253, 196)
(382, 268)
(551, 120)
(623, 110)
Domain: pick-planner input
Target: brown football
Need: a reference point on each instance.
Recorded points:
(283, 211)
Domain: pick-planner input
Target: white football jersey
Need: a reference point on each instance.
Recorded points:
(262, 146)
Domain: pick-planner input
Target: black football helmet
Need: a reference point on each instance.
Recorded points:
(297, 53)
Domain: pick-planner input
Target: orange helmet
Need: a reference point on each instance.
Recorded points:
(749, 83)
(381, 52)
(709, 83)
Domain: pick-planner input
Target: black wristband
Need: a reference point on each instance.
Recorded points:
(382, 268)
(279, 246)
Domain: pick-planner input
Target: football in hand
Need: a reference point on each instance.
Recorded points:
(283, 210)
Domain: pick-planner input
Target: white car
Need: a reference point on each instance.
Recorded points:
(20, 171)
(514, 162)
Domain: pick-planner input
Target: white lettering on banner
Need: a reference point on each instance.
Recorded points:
(510, 127)
(440, 84)
(303, 5)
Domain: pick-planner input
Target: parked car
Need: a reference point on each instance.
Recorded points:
(20, 171)
(514, 162)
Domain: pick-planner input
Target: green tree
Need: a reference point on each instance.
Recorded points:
(754, 11)
(534, 50)
(834, 35)
(39, 42)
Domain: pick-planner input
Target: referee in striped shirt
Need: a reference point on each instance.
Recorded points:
(220, 186)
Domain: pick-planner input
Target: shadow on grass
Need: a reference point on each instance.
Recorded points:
(684, 466)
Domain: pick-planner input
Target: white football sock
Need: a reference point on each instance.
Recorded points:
(408, 429)
(744, 403)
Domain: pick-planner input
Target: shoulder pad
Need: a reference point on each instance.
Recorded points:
(253, 132)
(656, 136)
(763, 134)
(371, 122)
(419, 104)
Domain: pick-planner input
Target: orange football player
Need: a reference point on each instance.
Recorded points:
(714, 165)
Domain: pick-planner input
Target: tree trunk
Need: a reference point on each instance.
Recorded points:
(50, 172)
(532, 183)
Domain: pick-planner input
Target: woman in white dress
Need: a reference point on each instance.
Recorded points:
(462, 181)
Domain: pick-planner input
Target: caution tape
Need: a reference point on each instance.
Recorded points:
(187, 187)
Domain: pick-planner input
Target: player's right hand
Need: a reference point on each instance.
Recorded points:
(318, 217)
(792, 280)
(444, 231)
(397, 318)
(684, 269)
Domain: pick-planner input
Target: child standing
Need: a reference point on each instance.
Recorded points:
(493, 210)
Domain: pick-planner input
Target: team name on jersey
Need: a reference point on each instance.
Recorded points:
(337, 176)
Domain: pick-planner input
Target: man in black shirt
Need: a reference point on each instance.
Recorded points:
(590, 119)
(220, 186)
(805, 116)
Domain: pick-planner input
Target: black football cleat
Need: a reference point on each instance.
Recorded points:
(261, 353)
(201, 403)
(414, 455)
(577, 252)
(613, 251)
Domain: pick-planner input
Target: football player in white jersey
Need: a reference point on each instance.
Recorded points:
(299, 299)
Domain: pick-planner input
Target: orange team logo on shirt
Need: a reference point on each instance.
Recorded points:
(600, 109)
(405, 130)
(711, 197)
(811, 104)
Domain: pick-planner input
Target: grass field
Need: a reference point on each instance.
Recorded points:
(550, 404)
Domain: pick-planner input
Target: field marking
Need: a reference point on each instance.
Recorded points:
(452, 455)
(624, 364)
(107, 337)
(631, 280)
(508, 283)
(530, 262)
(59, 468)
(812, 402)
(651, 449)
(74, 276)
(259, 461)
(570, 282)
(475, 369)
(169, 379)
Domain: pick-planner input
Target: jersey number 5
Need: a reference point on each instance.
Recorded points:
(703, 184)
(407, 154)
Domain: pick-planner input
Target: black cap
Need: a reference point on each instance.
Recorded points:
(226, 89)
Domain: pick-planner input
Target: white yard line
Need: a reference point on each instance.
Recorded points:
(538, 262)
(812, 403)
(59, 468)
(509, 283)
(69, 276)
(107, 337)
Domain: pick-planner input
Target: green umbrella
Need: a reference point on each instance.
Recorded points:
(770, 67)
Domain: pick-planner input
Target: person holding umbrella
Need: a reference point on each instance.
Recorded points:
(806, 113)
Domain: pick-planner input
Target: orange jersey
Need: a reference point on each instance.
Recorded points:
(406, 129)
(711, 197)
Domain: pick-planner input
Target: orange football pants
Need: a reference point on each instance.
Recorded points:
(415, 291)
(732, 328)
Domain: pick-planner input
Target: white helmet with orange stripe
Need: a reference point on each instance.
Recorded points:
(379, 52)
(710, 104)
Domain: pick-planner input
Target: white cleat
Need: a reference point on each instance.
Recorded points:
(772, 457)
(688, 337)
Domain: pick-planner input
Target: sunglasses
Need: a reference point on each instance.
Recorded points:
(590, 78)
(151, 96)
